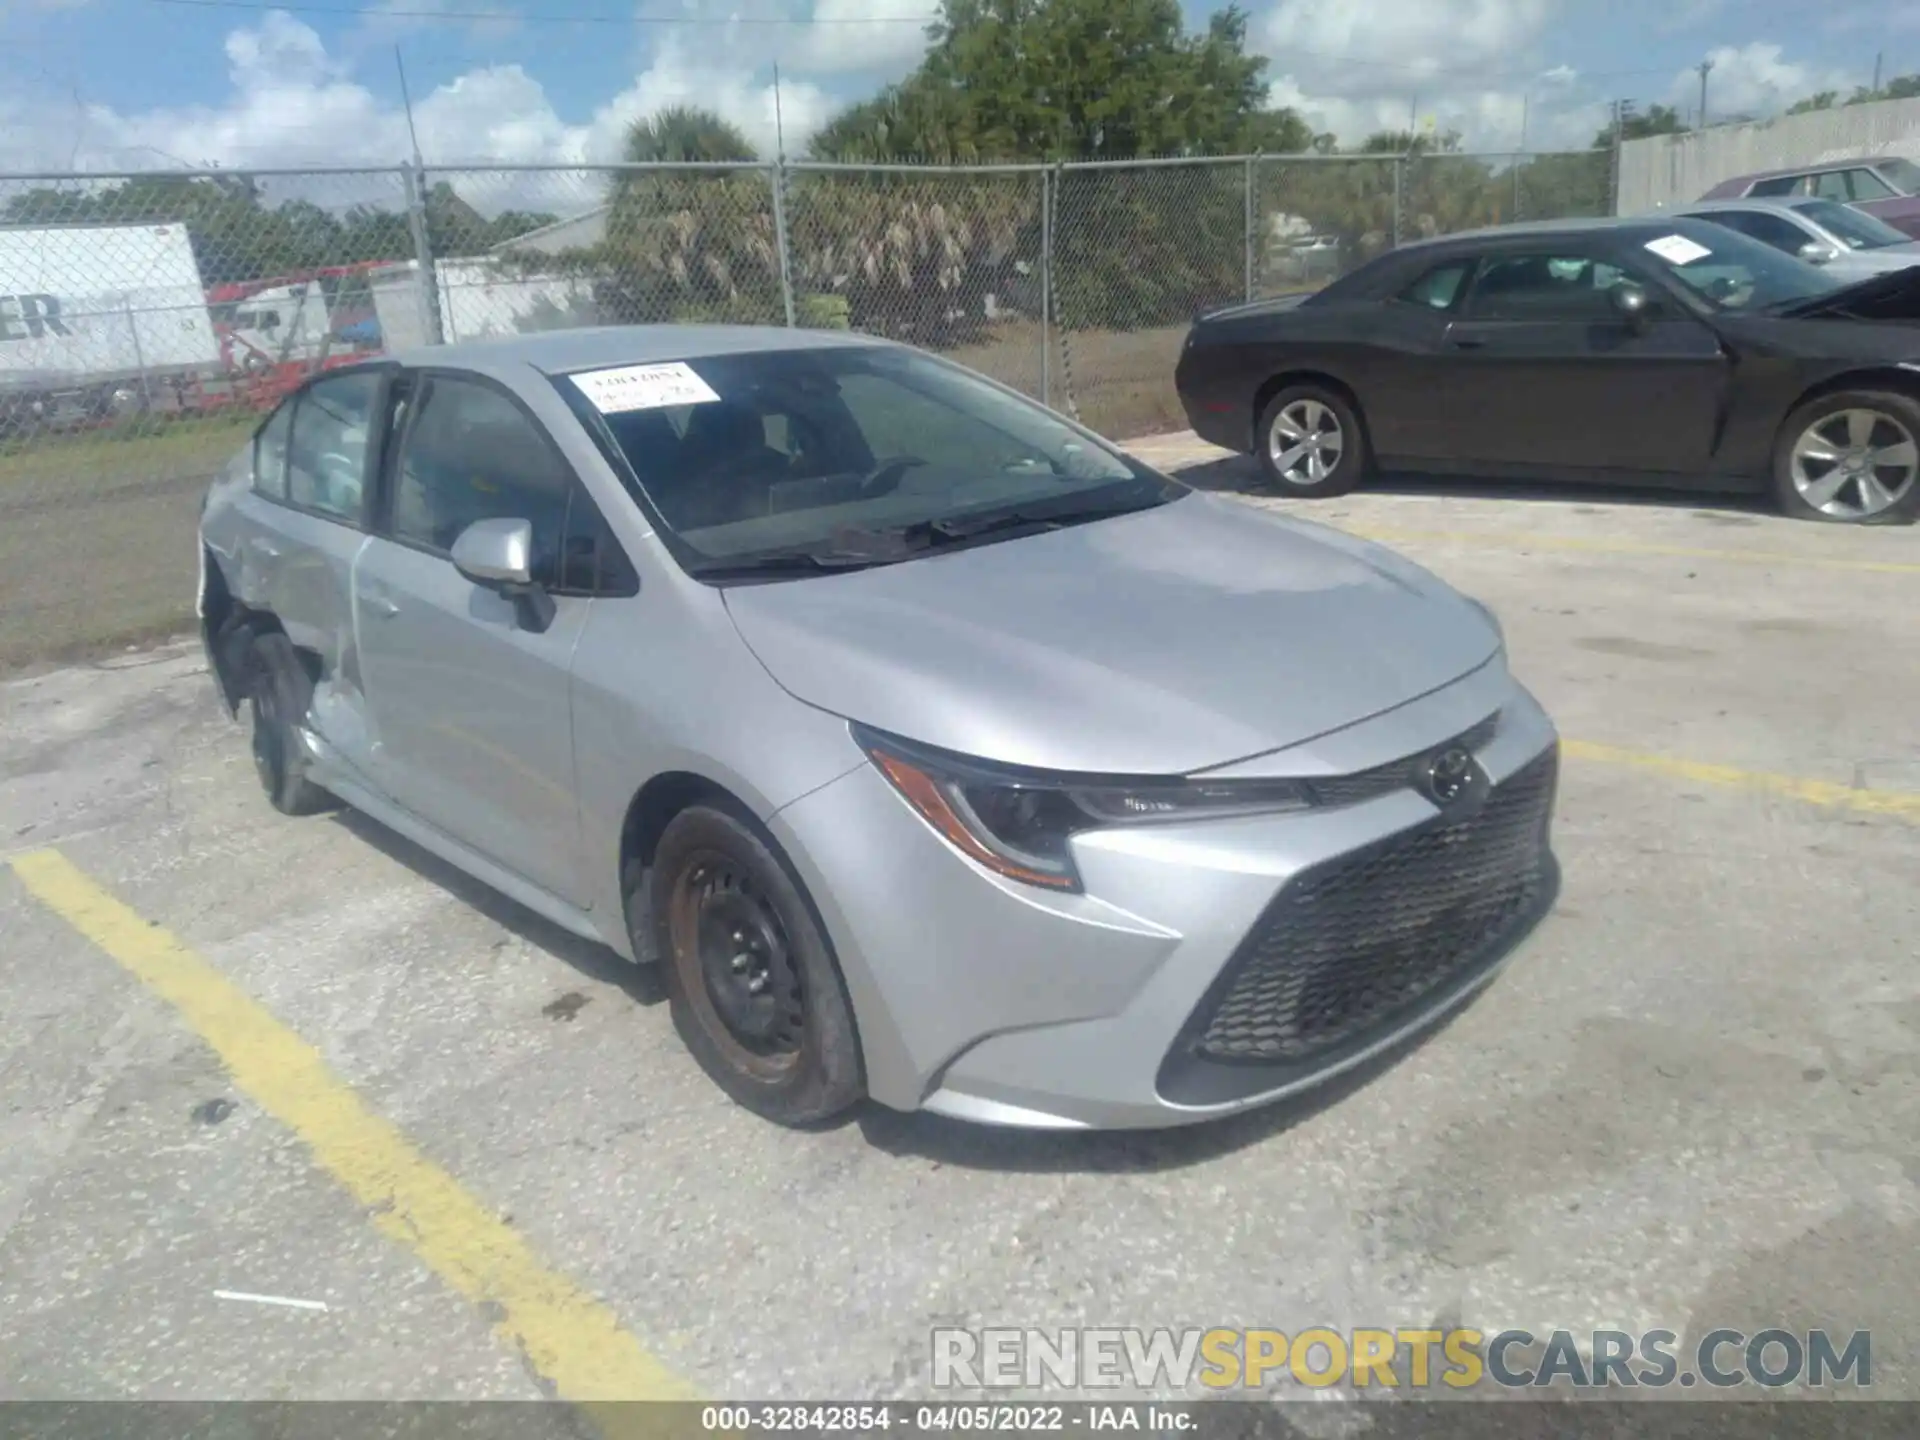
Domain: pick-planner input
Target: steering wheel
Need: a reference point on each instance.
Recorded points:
(885, 477)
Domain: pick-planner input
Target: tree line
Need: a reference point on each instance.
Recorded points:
(919, 254)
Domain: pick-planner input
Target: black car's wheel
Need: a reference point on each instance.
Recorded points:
(754, 989)
(1310, 443)
(1851, 458)
(278, 693)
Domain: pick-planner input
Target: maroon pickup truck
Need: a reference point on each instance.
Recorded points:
(1883, 185)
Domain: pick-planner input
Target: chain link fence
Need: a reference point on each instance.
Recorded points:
(147, 320)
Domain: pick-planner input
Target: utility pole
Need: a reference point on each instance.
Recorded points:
(1878, 56)
(1703, 67)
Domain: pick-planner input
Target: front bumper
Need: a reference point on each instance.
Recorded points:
(1177, 988)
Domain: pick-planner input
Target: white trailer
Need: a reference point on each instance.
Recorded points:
(99, 319)
(475, 299)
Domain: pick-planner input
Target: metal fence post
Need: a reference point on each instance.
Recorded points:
(1047, 192)
(1252, 213)
(426, 281)
(1518, 161)
(778, 178)
(1399, 176)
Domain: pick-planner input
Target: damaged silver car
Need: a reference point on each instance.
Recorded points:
(936, 750)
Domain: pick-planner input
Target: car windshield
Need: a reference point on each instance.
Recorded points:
(1730, 271)
(1903, 175)
(845, 455)
(1856, 229)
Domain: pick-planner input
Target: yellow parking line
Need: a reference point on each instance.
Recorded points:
(1527, 541)
(1902, 803)
(567, 1336)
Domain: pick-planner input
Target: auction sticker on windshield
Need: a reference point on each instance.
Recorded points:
(1677, 249)
(643, 387)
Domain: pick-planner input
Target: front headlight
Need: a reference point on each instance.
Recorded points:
(1019, 822)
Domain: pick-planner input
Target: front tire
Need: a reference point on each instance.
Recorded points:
(750, 977)
(1310, 444)
(1850, 458)
(279, 691)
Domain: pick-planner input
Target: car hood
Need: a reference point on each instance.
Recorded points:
(1176, 639)
(1890, 295)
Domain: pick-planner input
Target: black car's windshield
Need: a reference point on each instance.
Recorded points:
(1856, 229)
(816, 451)
(1730, 271)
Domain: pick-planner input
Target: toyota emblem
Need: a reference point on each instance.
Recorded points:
(1448, 774)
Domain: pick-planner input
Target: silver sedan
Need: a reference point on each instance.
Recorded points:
(935, 750)
(1848, 243)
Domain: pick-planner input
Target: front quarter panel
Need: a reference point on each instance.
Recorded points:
(663, 684)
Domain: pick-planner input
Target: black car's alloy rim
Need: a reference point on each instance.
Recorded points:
(729, 940)
(1306, 442)
(1855, 463)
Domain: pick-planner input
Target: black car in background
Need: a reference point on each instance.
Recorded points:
(1655, 351)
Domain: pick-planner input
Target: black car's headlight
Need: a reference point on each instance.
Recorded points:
(1018, 822)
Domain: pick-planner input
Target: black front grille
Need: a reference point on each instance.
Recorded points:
(1355, 943)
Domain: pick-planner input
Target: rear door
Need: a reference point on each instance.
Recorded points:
(1543, 373)
(470, 700)
(291, 543)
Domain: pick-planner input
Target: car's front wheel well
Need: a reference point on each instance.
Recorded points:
(1289, 378)
(1882, 377)
(648, 815)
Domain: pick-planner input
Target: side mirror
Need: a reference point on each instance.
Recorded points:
(1814, 253)
(1631, 301)
(495, 553)
(498, 555)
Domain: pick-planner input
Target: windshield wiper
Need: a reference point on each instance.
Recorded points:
(786, 562)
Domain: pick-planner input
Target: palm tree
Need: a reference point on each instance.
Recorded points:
(690, 244)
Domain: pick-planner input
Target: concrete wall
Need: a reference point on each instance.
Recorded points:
(1675, 169)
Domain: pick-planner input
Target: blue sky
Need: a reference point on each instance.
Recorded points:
(104, 83)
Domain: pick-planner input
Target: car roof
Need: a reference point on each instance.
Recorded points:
(1624, 225)
(1787, 204)
(558, 351)
(1821, 168)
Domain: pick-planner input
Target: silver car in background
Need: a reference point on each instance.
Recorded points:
(1849, 244)
(936, 750)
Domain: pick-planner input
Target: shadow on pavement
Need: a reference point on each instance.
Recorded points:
(590, 958)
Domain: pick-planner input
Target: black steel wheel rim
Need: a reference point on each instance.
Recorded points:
(743, 962)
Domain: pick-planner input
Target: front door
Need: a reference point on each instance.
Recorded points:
(470, 703)
(1542, 372)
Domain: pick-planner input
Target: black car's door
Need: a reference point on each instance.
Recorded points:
(1544, 373)
(1408, 421)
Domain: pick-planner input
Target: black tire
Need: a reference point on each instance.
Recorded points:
(279, 691)
(726, 911)
(1849, 505)
(1331, 417)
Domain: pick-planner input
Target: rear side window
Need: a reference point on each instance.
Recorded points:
(1865, 185)
(270, 454)
(1778, 185)
(1781, 234)
(327, 460)
(1439, 288)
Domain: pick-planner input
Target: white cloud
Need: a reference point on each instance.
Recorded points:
(845, 37)
(1754, 79)
(1358, 66)
(292, 103)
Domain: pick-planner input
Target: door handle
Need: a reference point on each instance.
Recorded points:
(266, 550)
(1468, 342)
(382, 606)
